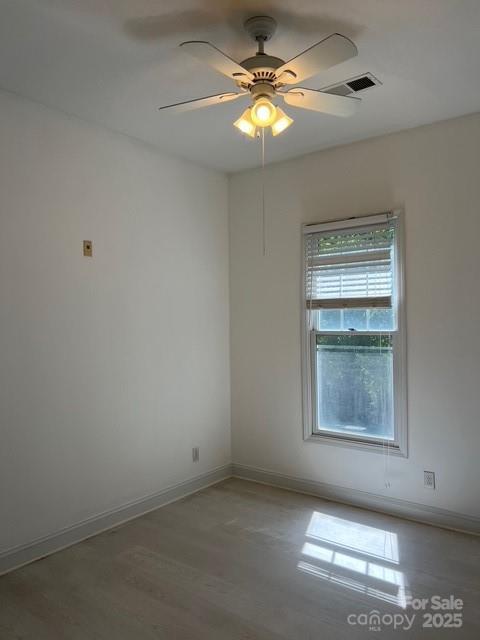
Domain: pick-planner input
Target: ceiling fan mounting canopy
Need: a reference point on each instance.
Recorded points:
(264, 77)
(260, 27)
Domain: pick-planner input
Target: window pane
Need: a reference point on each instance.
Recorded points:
(355, 319)
(355, 385)
(358, 319)
(329, 319)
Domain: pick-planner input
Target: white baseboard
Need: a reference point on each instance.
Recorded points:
(385, 504)
(17, 556)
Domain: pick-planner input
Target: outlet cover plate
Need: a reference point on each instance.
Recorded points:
(88, 248)
(429, 479)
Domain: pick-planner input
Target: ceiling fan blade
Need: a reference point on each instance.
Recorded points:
(198, 103)
(323, 55)
(215, 58)
(321, 101)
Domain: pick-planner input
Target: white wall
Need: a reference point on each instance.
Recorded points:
(433, 174)
(111, 368)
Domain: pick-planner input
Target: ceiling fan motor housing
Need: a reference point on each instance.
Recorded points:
(262, 90)
(262, 67)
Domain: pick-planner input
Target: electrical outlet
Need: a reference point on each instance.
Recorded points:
(429, 479)
(196, 454)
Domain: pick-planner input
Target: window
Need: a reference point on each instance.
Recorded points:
(354, 347)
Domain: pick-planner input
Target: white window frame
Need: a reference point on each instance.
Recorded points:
(399, 446)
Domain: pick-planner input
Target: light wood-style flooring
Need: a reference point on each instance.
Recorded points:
(243, 561)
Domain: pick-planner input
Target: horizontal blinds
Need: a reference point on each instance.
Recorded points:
(349, 267)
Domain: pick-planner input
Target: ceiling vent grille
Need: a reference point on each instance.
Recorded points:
(353, 85)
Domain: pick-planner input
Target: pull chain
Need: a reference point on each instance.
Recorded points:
(264, 241)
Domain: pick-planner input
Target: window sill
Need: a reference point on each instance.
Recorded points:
(373, 447)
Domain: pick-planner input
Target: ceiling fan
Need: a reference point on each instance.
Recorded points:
(263, 78)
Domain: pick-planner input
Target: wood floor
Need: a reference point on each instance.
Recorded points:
(244, 561)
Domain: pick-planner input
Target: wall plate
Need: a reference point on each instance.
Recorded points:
(88, 248)
(429, 479)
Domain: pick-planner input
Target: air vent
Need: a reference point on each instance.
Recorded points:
(353, 85)
(361, 83)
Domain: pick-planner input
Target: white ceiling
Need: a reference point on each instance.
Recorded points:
(114, 61)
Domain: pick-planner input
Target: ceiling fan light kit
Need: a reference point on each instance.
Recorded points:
(264, 113)
(245, 124)
(249, 122)
(281, 123)
(264, 78)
